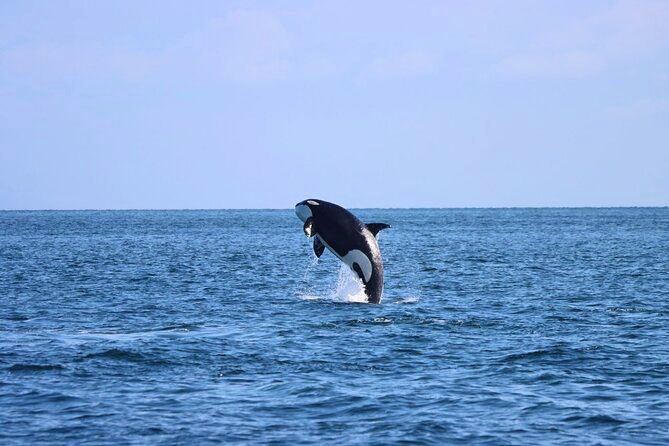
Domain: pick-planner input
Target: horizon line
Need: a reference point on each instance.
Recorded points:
(290, 208)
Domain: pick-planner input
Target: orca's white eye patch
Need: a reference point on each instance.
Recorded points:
(313, 203)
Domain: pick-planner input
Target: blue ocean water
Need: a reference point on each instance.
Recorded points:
(498, 326)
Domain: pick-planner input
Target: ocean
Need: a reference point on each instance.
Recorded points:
(497, 327)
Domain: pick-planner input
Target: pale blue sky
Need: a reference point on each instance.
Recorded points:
(250, 104)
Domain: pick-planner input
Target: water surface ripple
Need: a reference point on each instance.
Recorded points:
(504, 326)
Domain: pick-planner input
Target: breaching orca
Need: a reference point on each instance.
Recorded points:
(352, 241)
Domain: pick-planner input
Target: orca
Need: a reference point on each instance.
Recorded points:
(352, 241)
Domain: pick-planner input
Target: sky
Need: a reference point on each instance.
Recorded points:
(261, 104)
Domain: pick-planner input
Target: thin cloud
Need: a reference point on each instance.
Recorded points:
(590, 44)
(56, 61)
(244, 46)
(638, 109)
(411, 63)
(569, 64)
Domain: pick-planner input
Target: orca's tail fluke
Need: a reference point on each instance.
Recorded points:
(374, 228)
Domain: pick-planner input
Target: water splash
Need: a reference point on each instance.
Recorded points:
(348, 288)
(303, 289)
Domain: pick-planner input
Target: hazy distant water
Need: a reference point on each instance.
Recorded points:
(497, 327)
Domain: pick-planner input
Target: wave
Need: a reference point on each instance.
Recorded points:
(34, 367)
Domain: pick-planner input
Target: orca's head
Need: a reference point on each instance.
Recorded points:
(304, 209)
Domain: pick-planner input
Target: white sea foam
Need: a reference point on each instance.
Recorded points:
(310, 297)
(408, 300)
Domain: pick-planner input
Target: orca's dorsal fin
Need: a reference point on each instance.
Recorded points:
(374, 228)
(318, 247)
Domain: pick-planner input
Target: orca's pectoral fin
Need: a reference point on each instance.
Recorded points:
(318, 247)
(374, 228)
